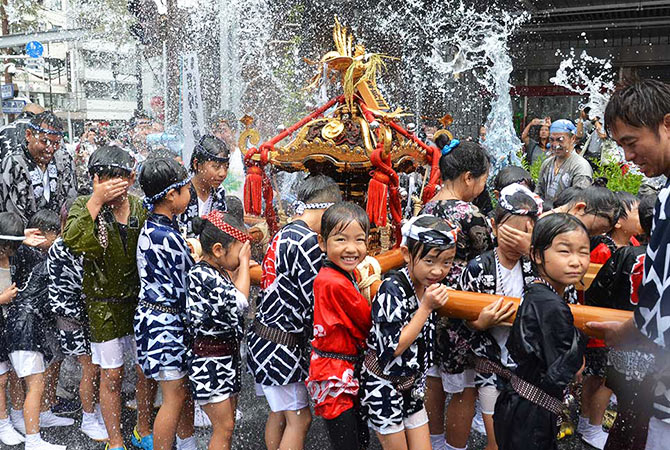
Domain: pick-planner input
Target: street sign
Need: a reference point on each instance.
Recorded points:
(7, 91)
(34, 49)
(13, 106)
(35, 63)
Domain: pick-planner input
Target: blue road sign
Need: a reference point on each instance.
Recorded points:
(13, 106)
(7, 91)
(34, 49)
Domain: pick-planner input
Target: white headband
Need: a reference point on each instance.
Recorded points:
(429, 235)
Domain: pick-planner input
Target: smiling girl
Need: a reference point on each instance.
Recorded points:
(341, 326)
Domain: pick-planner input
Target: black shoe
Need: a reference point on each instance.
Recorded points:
(65, 406)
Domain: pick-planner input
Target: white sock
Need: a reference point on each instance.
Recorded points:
(16, 412)
(88, 417)
(451, 447)
(188, 443)
(33, 438)
(437, 442)
(5, 422)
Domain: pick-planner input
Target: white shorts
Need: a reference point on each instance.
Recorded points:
(27, 363)
(453, 383)
(291, 397)
(4, 366)
(170, 375)
(109, 354)
(488, 395)
(416, 420)
(658, 435)
(215, 399)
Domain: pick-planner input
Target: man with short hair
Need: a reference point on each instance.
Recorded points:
(565, 167)
(38, 174)
(637, 117)
(13, 134)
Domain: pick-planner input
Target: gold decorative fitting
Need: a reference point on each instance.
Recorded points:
(439, 133)
(332, 129)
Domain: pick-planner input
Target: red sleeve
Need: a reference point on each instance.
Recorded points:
(600, 254)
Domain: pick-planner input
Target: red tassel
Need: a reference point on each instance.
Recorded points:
(377, 199)
(253, 191)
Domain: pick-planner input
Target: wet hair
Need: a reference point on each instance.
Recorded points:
(47, 118)
(628, 202)
(209, 234)
(639, 104)
(646, 212)
(518, 200)
(209, 148)
(340, 215)
(159, 174)
(467, 157)
(548, 227)
(162, 152)
(319, 189)
(111, 161)
(235, 207)
(599, 201)
(46, 221)
(513, 174)
(226, 116)
(420, 249)
(10, 225)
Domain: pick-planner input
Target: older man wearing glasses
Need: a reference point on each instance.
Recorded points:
(564, 168)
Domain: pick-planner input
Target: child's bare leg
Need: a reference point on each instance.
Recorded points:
(394, 441)
(145, 395)
(110, 404)
(185, 428)
(274, 429)
(87, 388)
(222, 416)
(50, 385)
(418, 438)
(595, 398)
(165, 425)
(297, 425)
(435, 398)
(490, 432)
(16, 392)
(3, 395)
(31, 406)
(460, 412)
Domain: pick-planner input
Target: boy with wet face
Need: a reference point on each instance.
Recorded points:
(38, 175)
(564, 168)
(104, 229)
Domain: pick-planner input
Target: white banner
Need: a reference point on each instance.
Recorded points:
(192, 111)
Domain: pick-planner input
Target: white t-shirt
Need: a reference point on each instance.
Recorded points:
(510, 285)
(204, 207)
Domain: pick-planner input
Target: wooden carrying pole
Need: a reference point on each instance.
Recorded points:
(468, 305)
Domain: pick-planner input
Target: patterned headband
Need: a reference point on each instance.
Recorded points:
(429, 235)
(300, 207)
(45, 130)
(216, 217)
(149, 202)
(199, 149)
(506, 196)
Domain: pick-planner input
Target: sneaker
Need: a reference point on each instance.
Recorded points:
(91, 428)
(16, 417)
(200, 418)
(49, 419)
(143, 442)
(8, 435)
(595, 437)
(238, 415)
(115, 448)
(40, 444)
(132, 403)
(65, 406)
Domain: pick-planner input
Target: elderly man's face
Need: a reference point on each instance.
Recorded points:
(561, 144)
(42, 146)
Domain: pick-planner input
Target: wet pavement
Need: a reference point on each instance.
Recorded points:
(248, 432)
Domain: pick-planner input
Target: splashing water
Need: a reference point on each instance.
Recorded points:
(481, 43)
(586, 75)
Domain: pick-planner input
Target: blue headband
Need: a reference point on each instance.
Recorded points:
(450, 146)
(44, 130)
(200, 150)
(563, 126)
(149, 202)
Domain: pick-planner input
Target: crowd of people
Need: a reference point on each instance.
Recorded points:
(153, 261)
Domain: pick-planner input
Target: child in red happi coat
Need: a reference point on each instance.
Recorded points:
(341, 326)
